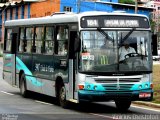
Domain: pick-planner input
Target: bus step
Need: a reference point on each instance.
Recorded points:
(73, 100)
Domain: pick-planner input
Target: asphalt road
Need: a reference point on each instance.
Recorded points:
(41, 107)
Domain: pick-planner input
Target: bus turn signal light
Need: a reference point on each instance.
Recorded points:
(81, 87)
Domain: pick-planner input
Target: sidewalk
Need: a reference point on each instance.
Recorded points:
(149, 104)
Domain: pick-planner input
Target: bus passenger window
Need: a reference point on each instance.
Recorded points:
(62, 40)
(63, 47)
(8, 39)
(21, 41)
(29, 38)
(62, 33)
(49, 42)
(39, 38)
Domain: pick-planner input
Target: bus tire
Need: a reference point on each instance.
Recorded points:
(123, 105)
(23, 87)
(62, 96)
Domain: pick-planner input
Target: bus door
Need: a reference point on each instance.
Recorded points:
(72, 64)
(13, 57)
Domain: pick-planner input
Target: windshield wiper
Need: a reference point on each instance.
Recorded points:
(128, 34)
(104, 33)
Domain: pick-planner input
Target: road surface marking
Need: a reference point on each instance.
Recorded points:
(152, 109)
(101, 115)
(43, 102)
(6, 93)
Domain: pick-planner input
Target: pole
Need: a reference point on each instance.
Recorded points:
(136, 6)
(79, 5)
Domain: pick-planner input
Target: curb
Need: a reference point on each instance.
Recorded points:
(150, 104)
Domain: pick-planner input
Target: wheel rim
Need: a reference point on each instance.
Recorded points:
(62, 94)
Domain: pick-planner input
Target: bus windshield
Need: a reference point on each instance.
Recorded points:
(115, 51)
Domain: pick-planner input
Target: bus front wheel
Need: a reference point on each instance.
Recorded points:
(23, 87)
(62, 96)
(123, 105)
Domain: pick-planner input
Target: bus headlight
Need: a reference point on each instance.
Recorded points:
(146, 85)
(140, 86)
(95, 87)
(88, 86)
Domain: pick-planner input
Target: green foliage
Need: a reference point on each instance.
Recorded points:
(127, 1)
(156, 84)
(153, 24)
(1, 55)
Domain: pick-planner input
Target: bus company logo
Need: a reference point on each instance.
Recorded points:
(43, 68)
(118, 86)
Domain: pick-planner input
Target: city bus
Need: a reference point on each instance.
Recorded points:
(61, 56)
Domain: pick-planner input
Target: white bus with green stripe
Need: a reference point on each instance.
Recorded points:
(34, 57)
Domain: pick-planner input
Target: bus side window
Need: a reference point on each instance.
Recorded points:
(62, 33)
(29, 38)
(22, 40)
(39, 38)
(8, 41)
(62, 40)
(49, 41)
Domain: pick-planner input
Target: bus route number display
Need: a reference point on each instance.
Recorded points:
(114, 22)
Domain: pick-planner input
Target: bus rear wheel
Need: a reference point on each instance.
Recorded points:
(23, 87)
(123, 105)
(62, 96)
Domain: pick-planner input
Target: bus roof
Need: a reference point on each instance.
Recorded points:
(62, 18)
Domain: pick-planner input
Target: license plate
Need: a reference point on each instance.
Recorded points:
(144, 95)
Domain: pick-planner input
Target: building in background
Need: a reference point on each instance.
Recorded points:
(101, 5)
(155, 15)
(21, 9)
(44, 8)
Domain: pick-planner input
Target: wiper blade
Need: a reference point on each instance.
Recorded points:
(125, 37)
(104, 33)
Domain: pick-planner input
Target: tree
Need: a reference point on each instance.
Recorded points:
(153, 25)
(127, 1)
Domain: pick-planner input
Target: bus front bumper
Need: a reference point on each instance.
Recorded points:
(143, 95)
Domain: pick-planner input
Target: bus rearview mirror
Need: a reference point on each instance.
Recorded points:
(154, 45)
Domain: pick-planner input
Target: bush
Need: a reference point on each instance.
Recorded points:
(1, 55)
(127, 1)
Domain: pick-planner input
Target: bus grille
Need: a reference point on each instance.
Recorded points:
(119, 87)
(121, 80)
(118, 84)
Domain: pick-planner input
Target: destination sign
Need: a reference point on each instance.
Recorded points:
(110, 21)
(121, 23)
